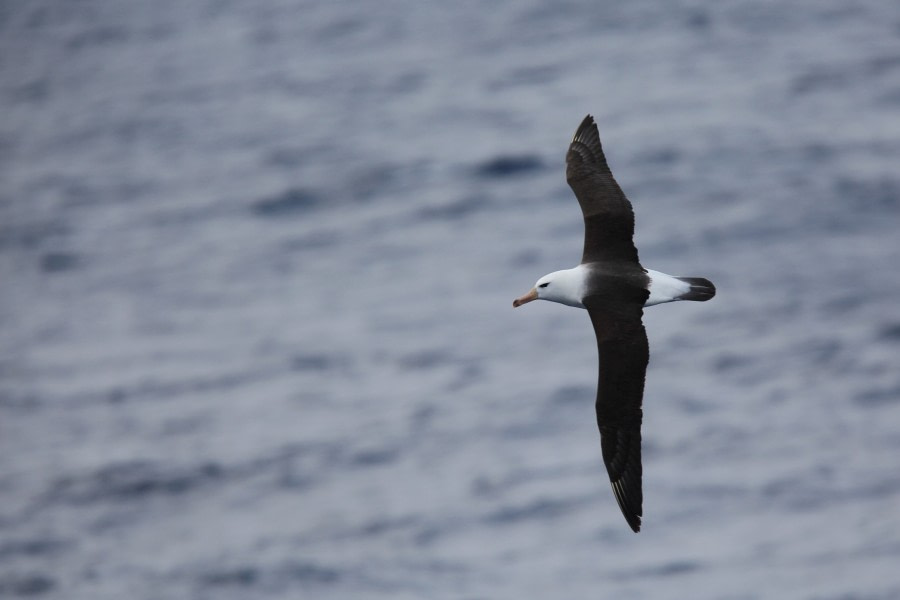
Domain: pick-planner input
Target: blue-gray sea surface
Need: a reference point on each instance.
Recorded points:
(256, 269)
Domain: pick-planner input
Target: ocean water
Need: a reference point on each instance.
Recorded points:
(256, 270)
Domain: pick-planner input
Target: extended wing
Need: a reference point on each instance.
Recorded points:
(608, 216)
(624, 354)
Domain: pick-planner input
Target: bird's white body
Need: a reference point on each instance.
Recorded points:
(568, 287)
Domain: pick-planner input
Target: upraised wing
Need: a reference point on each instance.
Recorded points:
(608, 216)
(624, 353)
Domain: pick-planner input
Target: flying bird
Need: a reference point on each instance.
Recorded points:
(614, 288)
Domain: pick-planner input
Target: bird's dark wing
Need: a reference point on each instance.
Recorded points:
(624, 354)
(608, 216)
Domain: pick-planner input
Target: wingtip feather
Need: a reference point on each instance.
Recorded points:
(587, 122)
(632, 514)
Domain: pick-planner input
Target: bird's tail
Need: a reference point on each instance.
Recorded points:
(701, 289)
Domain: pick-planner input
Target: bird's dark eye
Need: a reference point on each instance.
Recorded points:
(543, 285)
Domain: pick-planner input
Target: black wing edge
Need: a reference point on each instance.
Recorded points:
(626, 485)
(588, 136)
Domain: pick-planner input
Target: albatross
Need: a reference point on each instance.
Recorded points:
(614, 288)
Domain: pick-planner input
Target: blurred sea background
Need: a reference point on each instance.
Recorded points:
(256, 269)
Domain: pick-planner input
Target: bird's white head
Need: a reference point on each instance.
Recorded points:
(565, 287)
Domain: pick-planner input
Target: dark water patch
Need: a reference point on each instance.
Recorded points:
(753, 17)
(299, 466)
(314, 362)
(77, 193)
(486, 487)
(526, 258)
(456, 209)
(671, 247)
(875, 397)
(538, 426)
(819, 352)
(816, 488)
(290, 477)
(30, 235)
(874, 195)
(494, 487)
(698, 20)
(97, 36)
(423, 418)
(887, 486)
(132, 481)
(848, 301)
(527, 76)
(890, 333)
(885, 64)
(268, 577)
(693, 405)
(291, 202)
(428, 535)
(188, 425)
(293, 466)
(372, 457)
(115, 518)
(33, 92)
(382, 526)
(572, 395)
(317, 240)
(713, 493)
(466, 375)
(182, 217)
(719, 440)
(341, 30)
(890, 98)
(891, 595)
(308, 572)
(540, 509)
(7, 147)
(19, 400)
(141, 128)
(660, 156)
(57, 262)
(757, 230)
(239, 576)
(372, 181)
(37, 547)
(288, 157)
(159, 31)
(807, 490)
(264, 34)
(171, 389)
(668, 569)
(426, 360)
(509, 166)
(116, 395)
(731, 362)
(819, 79)
(35, 584)
(408, 82)
(818, 152)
